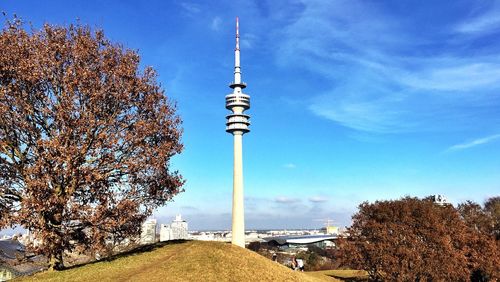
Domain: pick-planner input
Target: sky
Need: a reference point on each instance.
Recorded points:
(351, 101)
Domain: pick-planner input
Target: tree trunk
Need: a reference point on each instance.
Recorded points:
(56, 261)
(56, 254)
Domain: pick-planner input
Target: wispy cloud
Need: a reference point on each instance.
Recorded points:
(248, 40)
(286, 200)
(189, 208)
(289, 166)
(216, 23)
(462, 76)
(318, 199)
(191, 8)
(473, 143)
(377, 84)
(486, 22)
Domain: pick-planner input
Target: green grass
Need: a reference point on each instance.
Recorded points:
(184, 261)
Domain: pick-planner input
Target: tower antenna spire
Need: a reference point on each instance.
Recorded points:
(237, 34)
(237, 68)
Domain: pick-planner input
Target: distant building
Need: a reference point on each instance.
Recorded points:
(440, 200)
(8, 272)
(177, 230)
(14, 261)
(321, 241)
(148, 233)
(330, 230)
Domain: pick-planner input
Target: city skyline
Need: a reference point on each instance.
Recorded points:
(351, 101)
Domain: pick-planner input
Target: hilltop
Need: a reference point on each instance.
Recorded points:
(181, 261)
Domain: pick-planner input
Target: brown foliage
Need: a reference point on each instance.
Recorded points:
(484, 225)
(492, 210)
(416, 240)
(85, 138)
(475, 217)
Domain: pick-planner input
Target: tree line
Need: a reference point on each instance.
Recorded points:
(413, 239)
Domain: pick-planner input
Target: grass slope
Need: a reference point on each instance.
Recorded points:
(184, 261)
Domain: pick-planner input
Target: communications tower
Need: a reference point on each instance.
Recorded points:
(237, 124)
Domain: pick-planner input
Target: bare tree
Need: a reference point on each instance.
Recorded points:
(86, 138)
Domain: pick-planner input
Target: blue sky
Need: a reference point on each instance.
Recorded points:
(351, 100)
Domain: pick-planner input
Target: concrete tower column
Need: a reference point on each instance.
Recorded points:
(238, 221)
(237, 124)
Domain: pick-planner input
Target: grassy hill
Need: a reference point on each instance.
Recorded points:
(182, 261)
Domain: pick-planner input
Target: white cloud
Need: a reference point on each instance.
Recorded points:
(370, 115)
(376, 87)
(461, 77)
(248, 40)
(216, 23)
(286, 200)
(289, 165)
(487, 22)
(189, 208)
(318, 199)
(191, 8)
(473, 143)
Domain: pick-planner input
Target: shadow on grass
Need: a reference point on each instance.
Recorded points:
(137, 250)
(348, 275)
(349, 279)
(355, 279)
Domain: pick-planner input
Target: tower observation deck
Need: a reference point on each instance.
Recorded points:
(237, 124)
(237, 102)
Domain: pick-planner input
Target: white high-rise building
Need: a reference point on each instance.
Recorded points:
(237, 124)
(177, 230)
(148, 232)
(439, 199)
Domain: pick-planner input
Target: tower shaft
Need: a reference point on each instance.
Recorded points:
(238, 222)
(237, 124)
